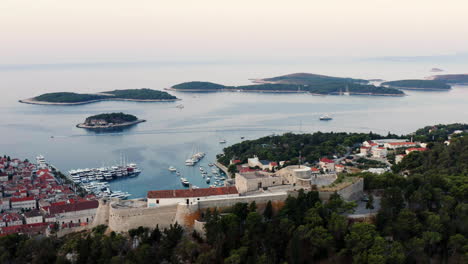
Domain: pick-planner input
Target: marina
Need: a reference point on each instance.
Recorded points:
(95, 180)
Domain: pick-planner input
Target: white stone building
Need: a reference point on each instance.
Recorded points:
(75, 213)
(27, 203)
(379, 152)
(33, 217)
(188, 196)
(256, 180)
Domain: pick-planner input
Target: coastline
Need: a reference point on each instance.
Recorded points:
(82, 125)
(33, 101)
(273, 91)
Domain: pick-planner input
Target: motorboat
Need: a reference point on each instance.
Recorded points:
(189, 162)
(172, 169)
(325, 118)
(184, 181)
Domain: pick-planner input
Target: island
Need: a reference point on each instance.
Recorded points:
(418, 84)
(110, 121)
(451, 78)
(436, 70)
(297, 83)
(68, 98)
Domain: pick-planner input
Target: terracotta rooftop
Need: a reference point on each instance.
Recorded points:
(326, 160)
(22, 199)
(79, 206)
(183, 193)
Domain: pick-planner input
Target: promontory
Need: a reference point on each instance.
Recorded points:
(109, 121)
(68, 98)
(297, 83)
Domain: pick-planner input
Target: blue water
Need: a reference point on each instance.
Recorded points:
(170, 134)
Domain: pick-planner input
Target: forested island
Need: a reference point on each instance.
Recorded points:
(451, 78)
(68, 98)
(418, 84)
(109, 121)
(422, 219)
(298, 83)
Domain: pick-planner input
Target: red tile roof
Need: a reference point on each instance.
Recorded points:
(314, 169)
(79, 206)
(326, 160)
(416, 149)
(22, 199)
(183, 193)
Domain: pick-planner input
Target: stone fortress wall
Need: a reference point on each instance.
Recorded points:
(122, 216)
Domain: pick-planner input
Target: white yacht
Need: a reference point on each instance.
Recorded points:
(184, 181)
(172, 169)
(222, 141)
(325, 118)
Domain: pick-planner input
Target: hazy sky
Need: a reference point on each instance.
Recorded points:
(58, 31)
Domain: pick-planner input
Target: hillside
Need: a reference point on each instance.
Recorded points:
(310, 79)
(418, 84)
(65, 98)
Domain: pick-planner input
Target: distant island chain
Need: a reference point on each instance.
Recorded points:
(315, 84)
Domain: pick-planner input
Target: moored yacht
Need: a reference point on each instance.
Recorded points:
(184, 181)
(325, 118)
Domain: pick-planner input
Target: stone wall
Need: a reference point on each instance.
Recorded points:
(122, 219)
(122, 216)
(351, 192)
(188, 214)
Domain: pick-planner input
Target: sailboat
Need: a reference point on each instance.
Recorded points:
(347, 90)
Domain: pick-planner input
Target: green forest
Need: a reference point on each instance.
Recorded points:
(116, 118)
(438, 133)
(287, 147)
(420, 84)
(67, 97)
(136, 94)
(422, 218)
(318, 87)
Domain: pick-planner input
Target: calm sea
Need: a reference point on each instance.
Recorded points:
(170, 134)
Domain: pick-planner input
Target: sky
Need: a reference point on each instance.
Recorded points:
(88, 31)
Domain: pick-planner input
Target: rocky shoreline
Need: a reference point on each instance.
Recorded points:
(126, 124)
(33, 101)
